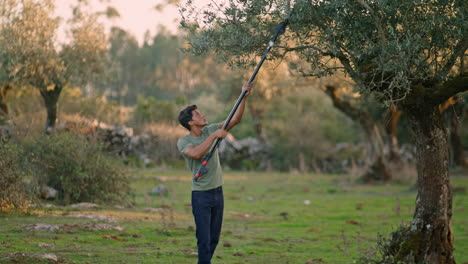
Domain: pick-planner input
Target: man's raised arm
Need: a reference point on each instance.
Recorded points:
(240, 111)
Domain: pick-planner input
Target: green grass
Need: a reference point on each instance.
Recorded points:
(266, 221)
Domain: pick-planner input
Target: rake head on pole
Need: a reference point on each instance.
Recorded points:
(280, 29)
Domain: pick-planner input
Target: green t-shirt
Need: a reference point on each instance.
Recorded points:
(214, 177)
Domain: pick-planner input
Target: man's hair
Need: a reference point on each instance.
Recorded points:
(185, 116)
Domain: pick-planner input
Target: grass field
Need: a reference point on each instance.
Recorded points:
(269, 218)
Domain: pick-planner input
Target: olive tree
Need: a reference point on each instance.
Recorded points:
(31, 56)
(6, 8)
(403, 52)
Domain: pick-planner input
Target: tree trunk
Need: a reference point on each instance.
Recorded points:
(4, 89)
(429, 239)
(391, 130)
(50, 100)
(258, 117)
(303, 168)
(458, 155)
(373, 134)
(378, 170)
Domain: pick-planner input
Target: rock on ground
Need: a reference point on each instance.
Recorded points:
(71, 228)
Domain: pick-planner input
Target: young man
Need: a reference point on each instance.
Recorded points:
(207, 192)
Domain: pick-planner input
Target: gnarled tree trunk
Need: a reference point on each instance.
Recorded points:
(378, 170)
(453, 109)
(258, 117)
(433, 215)
(391, 130)
(4, 89)
(458, 155)
(50, 100)
(429, 238)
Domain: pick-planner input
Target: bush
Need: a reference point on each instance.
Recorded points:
(77, 168)
(13, 191)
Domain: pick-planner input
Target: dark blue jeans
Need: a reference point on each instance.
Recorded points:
(207, 209)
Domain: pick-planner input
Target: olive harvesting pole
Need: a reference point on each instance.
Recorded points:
(280, 29)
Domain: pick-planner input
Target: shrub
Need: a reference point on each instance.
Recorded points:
(13, 188)
(78, 169)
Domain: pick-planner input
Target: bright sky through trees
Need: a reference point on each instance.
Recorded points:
(135, 16)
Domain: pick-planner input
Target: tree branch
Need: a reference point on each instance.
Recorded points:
(459, 51)
(305, 47)
(349, 69)
(344, 106)
(452, 87)
(424, 96)
(377, 21)
(450, 102)
(338, 55)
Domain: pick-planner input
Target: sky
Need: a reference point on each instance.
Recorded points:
(136, 16)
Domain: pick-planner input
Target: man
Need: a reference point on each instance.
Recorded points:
(207, 192)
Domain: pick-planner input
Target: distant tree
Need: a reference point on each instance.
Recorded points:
(454, 110)
(122, 78)
(157, 68)
(457, 151)
(391, 124)
(6, 80)
(4, 90)
(378, 170)
(404, 52)
(31, 56)
(180, 72)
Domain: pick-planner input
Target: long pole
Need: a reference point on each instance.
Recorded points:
(278, 31)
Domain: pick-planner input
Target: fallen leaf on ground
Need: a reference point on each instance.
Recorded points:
(227, 244)
(284, 215)
(360, 205)
(317, 260)
(352, 222)
(113, 238)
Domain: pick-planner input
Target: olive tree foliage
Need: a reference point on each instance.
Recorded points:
(403, 52)
(384, 46)
(31, 56)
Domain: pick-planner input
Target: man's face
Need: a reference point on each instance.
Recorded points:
(198, 119)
